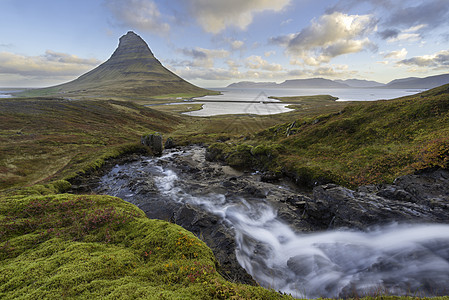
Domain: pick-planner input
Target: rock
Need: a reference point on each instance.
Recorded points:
(154, 141)
(169, 143)
(412, 198)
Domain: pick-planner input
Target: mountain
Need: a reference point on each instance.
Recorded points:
(312, 83)
(419, 83)
(357, 83)
(131, 71)
(252, 85)
(294, 83)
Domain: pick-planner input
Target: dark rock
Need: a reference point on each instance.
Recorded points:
(412, 198)
(269, 177)
(154, 141)
(169, 143)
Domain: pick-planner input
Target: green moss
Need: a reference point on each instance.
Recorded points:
(365, 143)
(88, 247)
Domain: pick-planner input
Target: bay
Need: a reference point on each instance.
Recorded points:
(256, 101)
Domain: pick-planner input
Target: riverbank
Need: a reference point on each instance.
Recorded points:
(276, 231)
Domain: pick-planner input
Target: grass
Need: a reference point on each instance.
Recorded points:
(55, 245)
(364, 143)
(46, 138)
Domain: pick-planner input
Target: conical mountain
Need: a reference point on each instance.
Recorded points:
(131, 71)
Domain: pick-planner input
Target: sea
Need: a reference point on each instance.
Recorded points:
(256, 101)
(7, 92)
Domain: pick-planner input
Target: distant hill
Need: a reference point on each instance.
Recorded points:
(294, 83)
(357, 83)
(252, 84)
(131, 71)
(312, 83)
(419, 83)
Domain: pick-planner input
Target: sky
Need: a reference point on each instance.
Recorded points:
(213, 43)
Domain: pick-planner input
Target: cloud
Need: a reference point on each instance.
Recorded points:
(236, 44)
(439, 60)
(388, 33)
(50, 64)
(204, 58)
(143, 15)
(6, 45)
(330, 36)
(231, 42)
(430, 12)
(216, 15)
(288, 21)
(409, 34)
(257, 62)
(233, 65)
(399, 54)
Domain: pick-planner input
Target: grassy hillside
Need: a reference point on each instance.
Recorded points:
(47, 138)
(367, 142)
(55, 245)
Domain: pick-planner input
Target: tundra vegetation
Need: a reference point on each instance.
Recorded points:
(55, 244)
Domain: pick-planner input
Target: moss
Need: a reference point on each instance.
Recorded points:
(365, 143)
(89, 247)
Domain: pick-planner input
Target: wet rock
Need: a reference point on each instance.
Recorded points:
(169, 143)
(412, 198)
(217, 236)
(153, 141)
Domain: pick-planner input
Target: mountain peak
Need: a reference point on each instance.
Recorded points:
(132, 45)
(132, 70)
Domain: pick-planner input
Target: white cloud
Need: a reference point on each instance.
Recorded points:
(143, 15)
(50, 64)
(269, 53)
(216, 15)
(233, 65)
(257, 62)
(236, 44)
(399, 54)
(439, 60)
(329, 36)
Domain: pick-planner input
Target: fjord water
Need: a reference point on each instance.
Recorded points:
(398, 259)
(227, 103)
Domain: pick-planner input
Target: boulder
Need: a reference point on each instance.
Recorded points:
(154, 141)
(412, 198)
(169, 143)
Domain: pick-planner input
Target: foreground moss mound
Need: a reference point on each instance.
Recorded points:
(101, 247)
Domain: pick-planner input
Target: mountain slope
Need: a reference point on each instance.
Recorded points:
(357, 83)
(131, 71)
(312, 83)
(419, 83)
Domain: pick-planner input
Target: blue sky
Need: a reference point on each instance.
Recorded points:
(212, 43)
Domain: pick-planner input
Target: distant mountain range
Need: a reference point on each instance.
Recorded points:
(404, 83)
(357, 83)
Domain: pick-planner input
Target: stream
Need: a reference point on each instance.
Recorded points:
(395, 258)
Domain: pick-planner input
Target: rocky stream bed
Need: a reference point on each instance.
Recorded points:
(329, 242)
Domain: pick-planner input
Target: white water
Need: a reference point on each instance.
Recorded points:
(396, 259)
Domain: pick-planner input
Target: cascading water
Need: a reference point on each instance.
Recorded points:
(397, 259)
